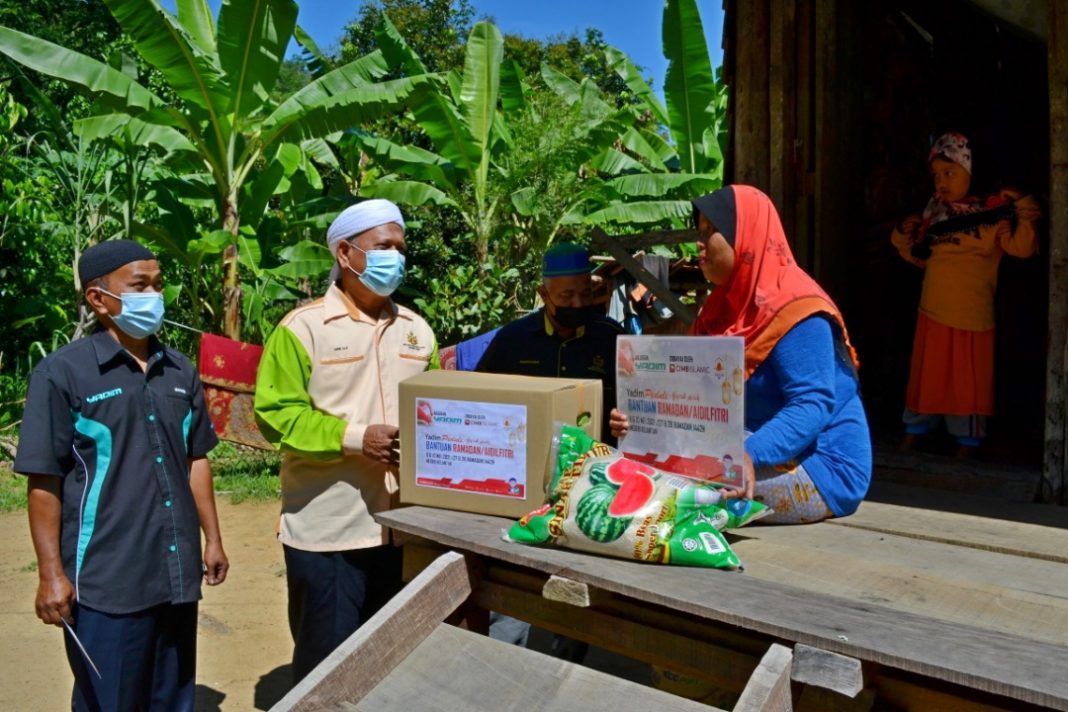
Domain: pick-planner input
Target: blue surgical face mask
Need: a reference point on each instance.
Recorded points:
(141, 315)
(384, 271)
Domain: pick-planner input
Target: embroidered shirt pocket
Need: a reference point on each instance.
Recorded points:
(415, 356)
(340, 360)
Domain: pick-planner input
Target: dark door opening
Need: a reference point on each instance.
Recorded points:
(929, 68)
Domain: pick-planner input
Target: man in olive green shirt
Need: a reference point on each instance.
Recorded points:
(326, 395)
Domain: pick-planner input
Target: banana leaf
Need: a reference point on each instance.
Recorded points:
(620, 63)
(325, 106)
(396, 50)
(690, 86)
(481, 85)
(315, 61)
(513, 88)
(644, 212)
(135, 131)
(195, 16)
(76, 68)
(406, 192)
(411, 161)
(253, 35)
(658, 185)
(191, 73)
(446, 128)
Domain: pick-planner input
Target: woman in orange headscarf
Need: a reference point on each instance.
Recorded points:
(809, 452)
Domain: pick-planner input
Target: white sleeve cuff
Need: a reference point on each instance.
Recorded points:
(352, 440)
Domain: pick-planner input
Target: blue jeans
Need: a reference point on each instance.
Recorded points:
(147, 660)
(332, 593)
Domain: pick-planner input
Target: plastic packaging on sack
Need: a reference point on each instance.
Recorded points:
(601, 502)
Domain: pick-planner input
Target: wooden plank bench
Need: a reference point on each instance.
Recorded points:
(403, 660)
(935, 623)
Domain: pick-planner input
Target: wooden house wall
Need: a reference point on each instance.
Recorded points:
(1056, 457)
(795, 70)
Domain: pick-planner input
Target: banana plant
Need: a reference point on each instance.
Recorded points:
(235, 145)
(459, 114)
(481, 124)
(658, 167)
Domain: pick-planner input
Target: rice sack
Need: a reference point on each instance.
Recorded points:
(601, 502)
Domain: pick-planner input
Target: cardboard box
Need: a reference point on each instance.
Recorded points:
(480, 442)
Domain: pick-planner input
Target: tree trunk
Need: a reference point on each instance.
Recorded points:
(231, 281)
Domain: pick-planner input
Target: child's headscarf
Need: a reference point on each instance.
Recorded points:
(952, 147)
(767, 293)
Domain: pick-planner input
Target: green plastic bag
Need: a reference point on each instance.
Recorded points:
(601, 502)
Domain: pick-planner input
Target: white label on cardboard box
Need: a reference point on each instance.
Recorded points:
(684, 398)
(471, 447)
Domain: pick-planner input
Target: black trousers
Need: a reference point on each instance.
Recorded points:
(147, 660)
(333, 593)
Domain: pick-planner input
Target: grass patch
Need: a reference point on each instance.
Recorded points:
(242, 473)
(12, 489)
(245, 473)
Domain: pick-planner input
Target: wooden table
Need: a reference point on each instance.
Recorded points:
(945, 610)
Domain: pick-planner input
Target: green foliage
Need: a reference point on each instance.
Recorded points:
(230, 148)
(435, 30)
(574, 57)
(242, 473)
(469, 300)
(245, 473)
(85, 26)
(12, 489)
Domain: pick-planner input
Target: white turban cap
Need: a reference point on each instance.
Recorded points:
(358, 218)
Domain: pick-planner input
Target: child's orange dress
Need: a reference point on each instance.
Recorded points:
(952, 369)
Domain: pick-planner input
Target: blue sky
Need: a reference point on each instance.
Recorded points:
(631, 25)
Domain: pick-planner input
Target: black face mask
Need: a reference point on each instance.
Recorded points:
(575, 317)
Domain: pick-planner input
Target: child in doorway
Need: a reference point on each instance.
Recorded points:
(958, 242)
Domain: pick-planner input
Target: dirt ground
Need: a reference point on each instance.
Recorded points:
(243, 644)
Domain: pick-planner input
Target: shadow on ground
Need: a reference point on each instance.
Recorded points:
(208, 699)
(273, 686)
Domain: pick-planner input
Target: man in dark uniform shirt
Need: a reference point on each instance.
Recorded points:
(114, 442)
(567, 338)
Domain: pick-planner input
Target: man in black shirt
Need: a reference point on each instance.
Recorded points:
(569, 337)
(113, 441)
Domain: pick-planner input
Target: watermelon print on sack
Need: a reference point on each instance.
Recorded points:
(593, 518)
(666, 518)
(599, 476)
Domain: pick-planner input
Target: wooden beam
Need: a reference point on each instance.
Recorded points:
(644, 276)
(730, 79)
(768, 690)
(784, 101)
(831, 671)
(749, 94)
(1055, 480)
(777, 70)
(369, 654)
(804, 148)
(645, 240)
(703, 659)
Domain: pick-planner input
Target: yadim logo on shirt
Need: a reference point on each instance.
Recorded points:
(104, 396)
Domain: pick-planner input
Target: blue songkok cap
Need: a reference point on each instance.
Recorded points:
(565, 259)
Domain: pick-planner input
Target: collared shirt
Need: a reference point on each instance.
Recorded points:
(327, 372)
(530, 347)
(121, 439)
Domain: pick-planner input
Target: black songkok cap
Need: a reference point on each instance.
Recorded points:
(106, 257)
